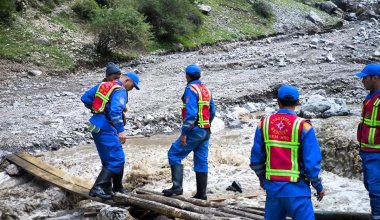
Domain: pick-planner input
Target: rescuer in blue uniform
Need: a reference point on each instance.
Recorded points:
(198, 111)
(287, 189)
(369, 136)
(107, 129)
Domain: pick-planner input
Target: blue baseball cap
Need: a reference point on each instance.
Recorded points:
(372, 69)
(288, 93)
(134, 77)
(193, 69)
(112, 68)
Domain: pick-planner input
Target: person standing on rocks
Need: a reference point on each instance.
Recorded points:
(286, 158)
(198, 111)
(369, 136)
(107, 101)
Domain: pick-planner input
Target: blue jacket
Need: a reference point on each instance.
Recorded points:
(113, 112)
(191, 99)
(309, 165)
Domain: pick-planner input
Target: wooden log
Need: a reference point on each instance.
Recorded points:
(241, 213)
(183, 205)
(253, 211)
(220, 207)
(161, 208)
(197, 202)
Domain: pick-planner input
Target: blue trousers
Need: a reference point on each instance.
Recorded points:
(110, 150)
(371, 179)
(299, 208)
(197, 140)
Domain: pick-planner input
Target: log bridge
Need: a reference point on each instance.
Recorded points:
(175, 206)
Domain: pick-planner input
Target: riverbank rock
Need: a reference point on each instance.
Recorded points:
(317, 106)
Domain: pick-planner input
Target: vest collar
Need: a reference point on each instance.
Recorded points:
(286, 111)
(197, 81)
(119, 81)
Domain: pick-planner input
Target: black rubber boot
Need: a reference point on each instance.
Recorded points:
(102, 185)
(201, 185)
(117, 180)
(177, 178)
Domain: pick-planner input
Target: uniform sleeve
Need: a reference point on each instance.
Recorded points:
(212, 109)
(118, 100)
(258, 155)
(88, 97)
(312, 157)
(191, 100)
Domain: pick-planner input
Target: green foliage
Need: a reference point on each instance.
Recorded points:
(170, 17)
(85, 8)
(121, 28)
(19, 44)
(263, 8)
(7, 8)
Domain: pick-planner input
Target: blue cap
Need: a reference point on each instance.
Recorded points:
(134, 77)
(370, 70)
(112, 68)
(288, 93)
(193, 69)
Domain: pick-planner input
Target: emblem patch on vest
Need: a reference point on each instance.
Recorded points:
(367, 115)
(280, 125)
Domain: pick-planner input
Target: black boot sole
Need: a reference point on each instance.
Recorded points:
(172, 193)
(108, 197)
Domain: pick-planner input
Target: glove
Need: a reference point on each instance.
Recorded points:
(126, 108)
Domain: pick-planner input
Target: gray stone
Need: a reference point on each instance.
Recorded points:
(328, 7)
(12, 170)
(34, 72)
(233, 122)
(330, 58)
(376, 53)
(114, 213)
(314, 41)
(205, 9)
(351, 16)
(254, 107)
(374, 21)
(314, 17)
(43, 41)
(323, 107)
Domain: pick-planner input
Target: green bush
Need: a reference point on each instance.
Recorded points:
(121, 28)
(7, 8)
(170, 17)
(85, 8)
(263, 8)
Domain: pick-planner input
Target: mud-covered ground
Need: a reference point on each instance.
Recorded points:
(41, 112)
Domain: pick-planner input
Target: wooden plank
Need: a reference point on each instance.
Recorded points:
(240, 195)
(85, 183)
(44, 175)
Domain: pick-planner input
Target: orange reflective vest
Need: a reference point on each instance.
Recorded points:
(204, 97)
(282, 138)
(103, 94)
(368, 133)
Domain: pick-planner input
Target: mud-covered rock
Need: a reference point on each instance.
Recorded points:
(114, 213)
(340, 150)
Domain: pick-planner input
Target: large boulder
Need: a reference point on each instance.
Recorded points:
(317, 106)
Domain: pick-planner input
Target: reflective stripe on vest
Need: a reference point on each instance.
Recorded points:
(369, 129)
(293, 145)
(103, 94)
(204, 97)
